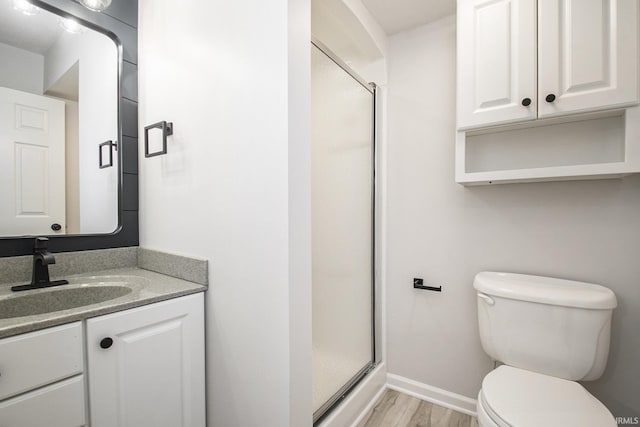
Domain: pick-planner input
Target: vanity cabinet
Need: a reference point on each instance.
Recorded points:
(146, 365)
(520, 60)
(41, 378)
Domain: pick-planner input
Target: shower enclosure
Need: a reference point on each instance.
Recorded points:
(343, 192)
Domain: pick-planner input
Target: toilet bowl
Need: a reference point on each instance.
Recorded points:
(549, 333)
(512, 397)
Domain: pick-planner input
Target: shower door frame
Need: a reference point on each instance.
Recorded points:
(371, 87)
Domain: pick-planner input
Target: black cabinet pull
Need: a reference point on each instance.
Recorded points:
(526, 102)
(550, 98)
(106, 342)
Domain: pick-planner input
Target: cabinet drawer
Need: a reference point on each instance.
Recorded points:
(57, 405)
(39, 358)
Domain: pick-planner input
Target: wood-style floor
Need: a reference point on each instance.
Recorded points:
(400, 410)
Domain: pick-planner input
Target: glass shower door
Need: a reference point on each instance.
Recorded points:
(342, 159)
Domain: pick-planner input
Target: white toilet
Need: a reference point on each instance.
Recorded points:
(548, 333)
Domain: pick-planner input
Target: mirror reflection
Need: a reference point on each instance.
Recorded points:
(59, 94)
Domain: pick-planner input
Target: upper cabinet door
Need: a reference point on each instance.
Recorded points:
(588, 55)
(496, 61)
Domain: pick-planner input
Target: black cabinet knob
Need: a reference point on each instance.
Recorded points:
(106, 342)
(56, 227)
(526, 102)
(550, 98)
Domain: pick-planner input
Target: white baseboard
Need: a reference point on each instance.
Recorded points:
(360, 401)
(365, 396)
(372, 403)
(432, 394)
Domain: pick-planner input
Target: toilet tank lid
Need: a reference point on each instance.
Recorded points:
(545, 290)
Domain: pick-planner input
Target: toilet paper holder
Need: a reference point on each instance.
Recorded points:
(418, 283)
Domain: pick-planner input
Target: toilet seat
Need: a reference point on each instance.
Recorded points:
(519, 398)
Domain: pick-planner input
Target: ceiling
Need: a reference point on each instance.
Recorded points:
(33, 33)
(395, 16)
(334, 25)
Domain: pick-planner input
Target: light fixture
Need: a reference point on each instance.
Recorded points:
(96, 5)
(71, 25)
(25, 7)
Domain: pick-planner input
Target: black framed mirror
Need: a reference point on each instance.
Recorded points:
(108, 201)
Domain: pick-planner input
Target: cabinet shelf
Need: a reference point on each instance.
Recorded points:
(556, 173)
(588, 146)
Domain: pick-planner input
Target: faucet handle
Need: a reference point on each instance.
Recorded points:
(41, 243)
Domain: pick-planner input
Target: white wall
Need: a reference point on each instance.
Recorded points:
(97, 117)
(234, 188)
(21, 69)
(445, 233)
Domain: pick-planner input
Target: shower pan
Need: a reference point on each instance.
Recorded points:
(343, 227)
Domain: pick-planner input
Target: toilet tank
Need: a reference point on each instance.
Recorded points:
(552, 326)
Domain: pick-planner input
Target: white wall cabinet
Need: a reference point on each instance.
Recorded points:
(547, 90)
(146, 365)
(523, 59)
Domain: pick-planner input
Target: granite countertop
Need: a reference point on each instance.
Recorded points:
(146, 287)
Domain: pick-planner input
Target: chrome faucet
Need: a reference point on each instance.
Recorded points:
(42, 258)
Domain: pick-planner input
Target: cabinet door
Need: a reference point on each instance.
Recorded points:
(153, 372)
(588, 55)
(496, 61)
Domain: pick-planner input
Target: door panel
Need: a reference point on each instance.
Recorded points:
(496, 61)
(153, 373)
(587, 55)
(31, 191)
(342, 224)
(32, 163)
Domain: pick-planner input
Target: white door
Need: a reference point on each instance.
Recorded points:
(32, 164)
(588, 55)
(496, 62)
(151, 373)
